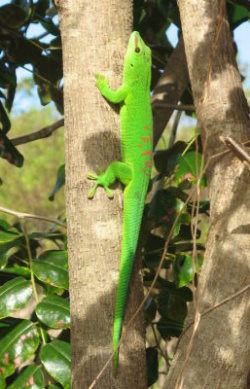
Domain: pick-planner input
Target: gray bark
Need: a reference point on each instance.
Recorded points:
(94, 37)
(218, 354)
(169, 89)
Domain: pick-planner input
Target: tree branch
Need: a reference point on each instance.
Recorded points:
(177, 107)
(169, 90)
(43, 133)
(23, 215)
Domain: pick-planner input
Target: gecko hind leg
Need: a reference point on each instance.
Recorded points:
(116, 170)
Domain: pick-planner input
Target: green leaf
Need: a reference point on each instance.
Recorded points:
(17, 346)
(52, 268)
(152, 365)
(54, 312)
(165, 160)
(13, 16)
(150, 309)
(169, 327)
(238, 14)
(17, 270)
(189, 167)
(172, 306)
(7, 237)
(55, 357)
(31, 377)
(183, 269)
(183, 293)
(14, 295)
(3, 259)
(2, 382)
(41, 7)
(60, 181)
(163, 208)
(4, 118)
(153, 250)
(7, 78)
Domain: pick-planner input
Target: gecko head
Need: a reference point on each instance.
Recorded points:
(137, 59)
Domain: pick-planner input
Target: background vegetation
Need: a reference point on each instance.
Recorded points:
(34, 299)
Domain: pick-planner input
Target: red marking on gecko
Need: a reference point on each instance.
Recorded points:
(146, 127)
(147, 163)
(139, 145)
(145, 139)
(147, 152)
(145, 172)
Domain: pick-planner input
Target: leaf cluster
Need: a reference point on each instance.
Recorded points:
(41, 55)
(34, 308)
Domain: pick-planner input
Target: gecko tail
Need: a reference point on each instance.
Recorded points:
(121, 297)
(133, 210)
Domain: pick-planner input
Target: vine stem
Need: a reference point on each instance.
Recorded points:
(32, 277)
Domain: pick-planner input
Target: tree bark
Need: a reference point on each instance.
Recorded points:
(215, 352)
(169, 89)
(94, 38)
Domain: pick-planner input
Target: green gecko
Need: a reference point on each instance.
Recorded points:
(135, 168)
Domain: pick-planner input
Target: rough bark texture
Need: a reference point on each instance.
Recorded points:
(169, 89)
(219, 353)
(94, 37)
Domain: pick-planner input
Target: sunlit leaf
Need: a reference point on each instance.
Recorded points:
(31, 377)
(189, 168)
(55, 357)
(183, 269)
(52, 268)
(17, 346)
(54, 312)
(14, 295)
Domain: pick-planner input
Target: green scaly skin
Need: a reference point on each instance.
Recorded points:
(135, 168)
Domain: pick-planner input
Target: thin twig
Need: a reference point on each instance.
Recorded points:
(238, 149)
(43, 133)
(210, 309)
(23, 215)
(174, 129)
(32, 277)
(236, 294)
(177, 107)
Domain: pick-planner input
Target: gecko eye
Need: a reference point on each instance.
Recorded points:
(137, 49)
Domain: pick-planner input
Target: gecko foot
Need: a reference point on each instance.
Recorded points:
(100, 181)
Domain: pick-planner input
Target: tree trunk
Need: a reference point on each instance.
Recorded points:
(215, 352)
(94, 37)
(169, 89)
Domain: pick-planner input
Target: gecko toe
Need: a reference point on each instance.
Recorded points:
(91, 176)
